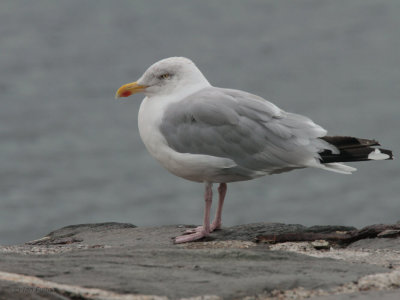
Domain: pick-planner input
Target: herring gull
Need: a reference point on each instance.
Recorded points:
(215, 135)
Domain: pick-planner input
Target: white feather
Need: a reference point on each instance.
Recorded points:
(377, 155)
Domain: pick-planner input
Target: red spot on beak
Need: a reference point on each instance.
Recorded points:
(125, 94)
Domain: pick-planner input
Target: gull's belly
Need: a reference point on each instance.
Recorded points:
(195, 167)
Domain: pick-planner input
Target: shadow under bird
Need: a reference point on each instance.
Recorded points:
(215, 135)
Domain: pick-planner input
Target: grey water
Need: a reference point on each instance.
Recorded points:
(70, 153)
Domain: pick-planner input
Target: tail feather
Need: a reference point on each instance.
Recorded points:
(353, 149)
(337, 168)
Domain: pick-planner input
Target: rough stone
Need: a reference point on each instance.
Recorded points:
(136, 261)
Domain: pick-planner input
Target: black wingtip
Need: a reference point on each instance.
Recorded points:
(387, 152)
(354, 149)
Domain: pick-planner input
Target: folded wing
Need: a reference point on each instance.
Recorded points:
(254, 133)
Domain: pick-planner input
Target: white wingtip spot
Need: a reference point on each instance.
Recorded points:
(377, 155)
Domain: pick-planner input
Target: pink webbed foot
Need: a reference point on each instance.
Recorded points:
(197, 234)
(213, 226)
(193, 230)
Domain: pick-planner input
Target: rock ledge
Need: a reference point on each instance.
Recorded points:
(122, 261)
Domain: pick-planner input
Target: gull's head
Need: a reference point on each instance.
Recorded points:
(165, 77)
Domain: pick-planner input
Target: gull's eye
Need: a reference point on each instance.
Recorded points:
(164, 76)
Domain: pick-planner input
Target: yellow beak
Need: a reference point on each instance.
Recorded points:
(129, 89)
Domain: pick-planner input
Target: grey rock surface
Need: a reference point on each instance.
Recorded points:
(125, 259)
(381, 295)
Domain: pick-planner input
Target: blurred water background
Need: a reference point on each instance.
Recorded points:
(71, 154)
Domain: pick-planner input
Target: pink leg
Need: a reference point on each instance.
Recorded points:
(205, 230)
(216, 224)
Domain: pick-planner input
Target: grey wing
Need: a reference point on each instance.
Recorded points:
(254, 133)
